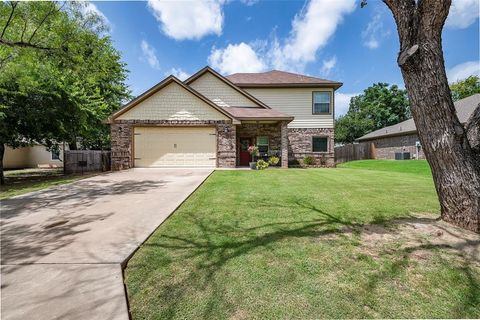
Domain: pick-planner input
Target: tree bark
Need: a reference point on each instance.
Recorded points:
(455, 169)
(2, 153)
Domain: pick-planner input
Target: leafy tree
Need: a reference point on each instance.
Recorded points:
(60, 76)
(378, 106)
(452, 150)
(465, 88)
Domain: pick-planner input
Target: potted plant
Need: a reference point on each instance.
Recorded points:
(253, 150)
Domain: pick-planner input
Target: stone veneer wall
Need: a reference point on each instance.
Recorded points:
(300, 145)
(226, 146)
(122, 135)
(385, 148)
(252, 130)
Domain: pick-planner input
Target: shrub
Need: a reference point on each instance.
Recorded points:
(261, 164)
(273, 160)
(293, 163)
(309, 160)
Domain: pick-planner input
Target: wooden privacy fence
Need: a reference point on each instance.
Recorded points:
(80, 161)
(358, 151)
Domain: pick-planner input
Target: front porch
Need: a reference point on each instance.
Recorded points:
(269, 136)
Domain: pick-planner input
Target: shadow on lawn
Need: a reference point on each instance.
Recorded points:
(213, 254)
(38, 224)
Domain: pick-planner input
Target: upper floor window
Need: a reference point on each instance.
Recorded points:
(321, 102)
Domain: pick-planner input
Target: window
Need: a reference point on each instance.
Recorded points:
(320, 144)
(262, 144)
(55, 154)
(321, 102)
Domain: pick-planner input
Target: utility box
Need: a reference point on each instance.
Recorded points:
(402, 155)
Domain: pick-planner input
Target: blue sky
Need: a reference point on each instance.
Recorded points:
(332, 39)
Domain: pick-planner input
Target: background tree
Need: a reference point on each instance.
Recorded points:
(465, 88)
(379, 105)
(449, 147)
(60, 76)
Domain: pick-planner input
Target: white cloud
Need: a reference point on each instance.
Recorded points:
(342, 102)
(89, 8)
(463, 13)
(249, 2)
(374, 32)
(328, 65)
(192, 20)
(463, 70)
(149, 55)
(236, 58)
(179, 73)
(311, 30)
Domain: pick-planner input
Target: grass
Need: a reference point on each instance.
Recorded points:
(407, 166)
(288, 244)
(18, 182)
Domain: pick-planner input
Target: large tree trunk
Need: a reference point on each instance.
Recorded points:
(2, 153)
(455, 169)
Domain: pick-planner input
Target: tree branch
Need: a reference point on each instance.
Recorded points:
(14, 5)
(43, 20)
(23, 44)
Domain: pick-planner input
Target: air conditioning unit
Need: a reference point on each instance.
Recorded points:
(402, 155)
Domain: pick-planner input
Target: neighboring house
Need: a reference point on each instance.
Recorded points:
(35, 156)
(402, 137)
(210, 120)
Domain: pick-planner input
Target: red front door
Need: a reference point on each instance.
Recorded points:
(244, 155)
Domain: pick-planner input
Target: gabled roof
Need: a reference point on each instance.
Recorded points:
(228, 82)
(275, 78)
(257, 114)
(157, 88)
(464, 108)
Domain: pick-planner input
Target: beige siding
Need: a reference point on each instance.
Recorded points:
(175, 147)
(219, 92)
(30, 157)
(172, 103)
(296, 102)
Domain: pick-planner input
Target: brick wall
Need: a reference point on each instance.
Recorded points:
(300, 145)
(385, 148)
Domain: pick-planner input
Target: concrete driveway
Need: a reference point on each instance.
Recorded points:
(62, 248)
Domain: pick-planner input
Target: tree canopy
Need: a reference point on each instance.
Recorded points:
(378, 106)
(60, 76)
(465, 88)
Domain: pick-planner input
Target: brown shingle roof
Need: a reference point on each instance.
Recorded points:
(277, 78)
(464, 108)
(242, 113)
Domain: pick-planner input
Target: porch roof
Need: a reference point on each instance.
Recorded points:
(242, 113)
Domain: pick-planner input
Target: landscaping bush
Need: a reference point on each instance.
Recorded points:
(308, 160)
(293, 163)
(273, 160)
(262, 164)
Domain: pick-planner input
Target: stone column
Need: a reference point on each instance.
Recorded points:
(284, 143)
(121, 136)
(226, 146)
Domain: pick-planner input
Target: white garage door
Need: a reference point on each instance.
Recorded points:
(175, 147)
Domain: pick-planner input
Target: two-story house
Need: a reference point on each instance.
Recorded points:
(210, 120)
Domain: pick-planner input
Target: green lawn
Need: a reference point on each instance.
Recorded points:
(302, 244)
(18, 182)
